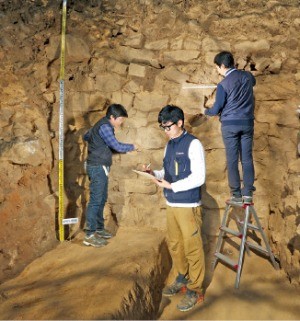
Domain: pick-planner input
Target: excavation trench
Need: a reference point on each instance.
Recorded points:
(144, 299)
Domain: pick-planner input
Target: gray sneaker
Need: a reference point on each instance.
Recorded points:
(104, 234)
(92, 240)
(190, 300)
(179, 285)
(236, 200)
(247, 200)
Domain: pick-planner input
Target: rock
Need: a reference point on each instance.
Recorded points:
(274, 88)
(150, 101)
(216, 170)
(49, 97)
(80, 103)
(134, 41)
(117, 67)
(108, 82)
(77, 49)
(132, 87)
(214, 45)
(192, 44)
(253, 46)
(182, 56)
(28, 152)
(173, 74)
(151, 138)
(177, 43)
(137, 70)
(143, 56)
(123, 98)
(157, 44)
(190, 100)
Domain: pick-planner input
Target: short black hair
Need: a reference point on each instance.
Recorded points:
(170, 113)
(225, 58)
(116, 110)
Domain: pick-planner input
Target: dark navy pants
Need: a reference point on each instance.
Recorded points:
(98, 196)
(238, 141)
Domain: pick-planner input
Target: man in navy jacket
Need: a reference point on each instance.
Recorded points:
(181, 177)
(235, 106)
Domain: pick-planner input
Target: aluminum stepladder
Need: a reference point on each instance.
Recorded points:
(245, 229)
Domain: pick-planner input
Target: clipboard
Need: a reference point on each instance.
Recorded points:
(144, 174)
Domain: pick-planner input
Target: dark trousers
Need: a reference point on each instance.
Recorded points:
(238, 141)
(98, 197)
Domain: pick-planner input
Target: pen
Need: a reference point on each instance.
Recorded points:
(148, 170)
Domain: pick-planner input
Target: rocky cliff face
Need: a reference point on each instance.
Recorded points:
(142, 54)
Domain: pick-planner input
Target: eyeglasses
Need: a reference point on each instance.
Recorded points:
(167, 127)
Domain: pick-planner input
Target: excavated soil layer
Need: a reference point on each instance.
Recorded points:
(124, 281)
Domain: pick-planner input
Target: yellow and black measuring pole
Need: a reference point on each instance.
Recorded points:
(61, 123)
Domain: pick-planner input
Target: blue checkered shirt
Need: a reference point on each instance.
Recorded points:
(107, 134)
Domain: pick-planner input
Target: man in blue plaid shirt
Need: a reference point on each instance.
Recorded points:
(101, 145)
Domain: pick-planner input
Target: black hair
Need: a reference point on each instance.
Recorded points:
(116, 110)
(170, 113)
(225, 58)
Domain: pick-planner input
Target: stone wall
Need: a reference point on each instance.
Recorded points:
(143, 55)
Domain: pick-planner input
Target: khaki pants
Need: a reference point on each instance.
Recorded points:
(185, 244)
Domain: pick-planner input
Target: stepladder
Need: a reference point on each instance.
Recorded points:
(241, 229)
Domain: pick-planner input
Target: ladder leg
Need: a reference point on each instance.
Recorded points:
(271, 255)
(240, 228)
(221, 235)
(242, 248)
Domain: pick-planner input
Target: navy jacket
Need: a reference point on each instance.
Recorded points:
(177, 166)
(235, 99)
(98, 152)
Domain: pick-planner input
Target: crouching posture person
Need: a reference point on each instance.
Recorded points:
(181, 177)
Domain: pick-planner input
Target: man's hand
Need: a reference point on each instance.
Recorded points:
(137, 148)
(162, 183)
(147, 169)
(209, 101)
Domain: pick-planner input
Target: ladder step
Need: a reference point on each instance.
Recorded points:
(253, 227)
(250, 226)
(230, 231)
(226, 260)
(228, 202)
(257, 247)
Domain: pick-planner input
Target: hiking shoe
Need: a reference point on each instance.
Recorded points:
(247, 200)
(190, 300)
(174, 288)
(103, 233)
(234, 199)
(92, 240)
